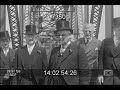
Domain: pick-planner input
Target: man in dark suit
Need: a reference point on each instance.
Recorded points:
(109, 57)
(6, 58)
(31, 60)
(91, 46)
(67, 57)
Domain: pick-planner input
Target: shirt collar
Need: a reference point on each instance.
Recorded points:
(28, 46)
(89, 39)
(6, 49)
(66, 45)
(115, 38)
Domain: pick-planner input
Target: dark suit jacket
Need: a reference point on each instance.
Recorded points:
(6, 62)
(37, 61)
(70, 61)
(91, 50)
(109, 53)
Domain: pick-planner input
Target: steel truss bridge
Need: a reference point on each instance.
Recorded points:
(44, 17)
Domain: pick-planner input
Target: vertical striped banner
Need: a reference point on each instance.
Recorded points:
(86, 13)
(26, 21)
(2, 17)
(77, 21)
(20, 14)
(102, 29)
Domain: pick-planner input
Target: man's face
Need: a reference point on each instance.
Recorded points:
(5, 43)
(117, 32)
(88, 33)
(63, 35)
(30, 39)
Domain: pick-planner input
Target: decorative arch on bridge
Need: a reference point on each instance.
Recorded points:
(45, 16)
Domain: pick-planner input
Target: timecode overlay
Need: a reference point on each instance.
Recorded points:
(55, 72)
(60, 72)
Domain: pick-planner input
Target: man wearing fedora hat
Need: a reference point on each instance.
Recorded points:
(66, 58)
(6, 57)
(109, 57)
(91, 46)
(31, 58)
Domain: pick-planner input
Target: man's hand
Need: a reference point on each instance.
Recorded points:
(70, 38)
(100, 79)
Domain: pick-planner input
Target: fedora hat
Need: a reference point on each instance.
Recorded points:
(116, 22)
(62, 25)
(4, 35)
(30, 30)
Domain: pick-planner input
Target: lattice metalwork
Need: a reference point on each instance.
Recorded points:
(14, 25)
(49, 14)
(96, 17)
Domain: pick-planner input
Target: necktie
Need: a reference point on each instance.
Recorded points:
(87, 40)
(29, 50)
(5, 52)
(62, 50)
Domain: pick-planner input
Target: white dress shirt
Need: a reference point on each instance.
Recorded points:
(116, 41)
(30, 48)
(6, 51)
(64, 48)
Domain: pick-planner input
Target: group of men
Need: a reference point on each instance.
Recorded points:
(87, 61)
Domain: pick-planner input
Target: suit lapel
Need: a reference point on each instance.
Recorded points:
(10, 56)
(117, 50)
(57, 54)
(4, 58)
(34, 53)
(90, 46)
(65, 54)
(25, 51)
(82, 42)
(57, 57)
(114, 50)
(34, 50)
(112, 47)
(24, 55)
